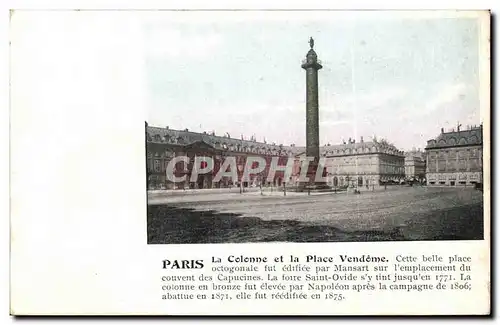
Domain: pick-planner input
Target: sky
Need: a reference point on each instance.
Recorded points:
(398, 77)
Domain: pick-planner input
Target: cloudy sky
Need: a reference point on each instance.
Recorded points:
(401, 78)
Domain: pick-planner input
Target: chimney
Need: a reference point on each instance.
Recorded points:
(442, 130)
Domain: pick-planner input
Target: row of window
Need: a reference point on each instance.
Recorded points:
(454, 165)
(455, 141)
(367, 161)
(452, 183)
(346, 181)
(349, 151)
(461, 153)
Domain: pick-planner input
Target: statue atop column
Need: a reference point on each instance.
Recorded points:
(311, 42)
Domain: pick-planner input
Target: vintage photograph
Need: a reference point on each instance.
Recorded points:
(264, 126)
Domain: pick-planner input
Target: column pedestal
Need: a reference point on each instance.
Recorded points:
(312, 185)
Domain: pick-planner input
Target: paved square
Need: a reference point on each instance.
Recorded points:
(398, 213)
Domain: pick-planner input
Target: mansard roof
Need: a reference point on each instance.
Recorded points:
(185, 137)
(469, 137)
(360, 148)
(412, 154)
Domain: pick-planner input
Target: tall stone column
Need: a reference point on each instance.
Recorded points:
(311, 64)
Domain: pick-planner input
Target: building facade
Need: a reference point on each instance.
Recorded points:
(455, 158)
(364, 164)
(163, 144)
(415, 165)
(351, 164)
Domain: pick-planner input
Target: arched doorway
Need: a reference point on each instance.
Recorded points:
(335, 181)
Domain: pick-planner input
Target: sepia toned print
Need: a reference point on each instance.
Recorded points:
(250, 162)
(382, 141)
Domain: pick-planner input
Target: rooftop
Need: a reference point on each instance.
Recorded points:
(472, 135)
(226, 142)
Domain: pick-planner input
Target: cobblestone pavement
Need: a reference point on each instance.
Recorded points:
(402, 213)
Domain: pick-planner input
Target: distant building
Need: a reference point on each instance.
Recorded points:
(455, 158)
(364, 164)
(415, 165)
